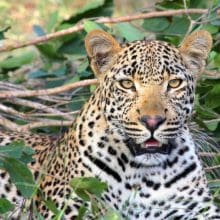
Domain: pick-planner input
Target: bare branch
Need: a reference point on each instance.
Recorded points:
(211, 74)
(45, 123)
(209, 169)
(55, 114)
(28, 93)
(41, 107)
(214, 181)
(209, 154)
(8, 124)
(104, 20)
(12, 111)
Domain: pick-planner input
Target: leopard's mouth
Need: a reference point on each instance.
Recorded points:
(151, 146)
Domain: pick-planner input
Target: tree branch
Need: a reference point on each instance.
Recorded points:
(4, 122)
(209, 154)
(39, 106)
(41, 92)
(209, 169)
(104, 20)
(45, 123)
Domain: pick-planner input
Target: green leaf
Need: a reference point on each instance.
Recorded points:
(210, 28)
(82, 213)
(51, 206)
(53, 18)
(73, 46)
(60, 71)
(212, 125)
(179, 26)
(83, 66)
(85, 186)
(199, 4)
(129, 32)
(92, 4)
(95, 207)
(93, 8)
(19, 60)
(156, 24)
(5, 206)
(37, 74)
(49, 50)
(177, 4)
(91, 25)
(213, 97)
(17, 150)
(2, 32)
(76, 78)
(77, 103)
(92, 88)
(20, 175)
(111, 215)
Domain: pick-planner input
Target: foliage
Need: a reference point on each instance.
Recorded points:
(14, 159)
(63, 61)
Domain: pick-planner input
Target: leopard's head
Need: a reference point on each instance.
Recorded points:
(147, 87)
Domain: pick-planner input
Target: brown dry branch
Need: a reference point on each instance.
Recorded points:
(209, 154)
(214, 181)
(44, 123)
(11, 126)
(42, 92)
(211, 74)
(33, 117)
(11, 111)
(39, 106)
(63, 114)
(103, 20)
(210, 169)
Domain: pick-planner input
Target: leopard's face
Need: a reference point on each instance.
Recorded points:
(149, 80)
(147, 87)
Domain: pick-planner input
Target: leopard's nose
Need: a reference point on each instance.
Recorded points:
(152, 122)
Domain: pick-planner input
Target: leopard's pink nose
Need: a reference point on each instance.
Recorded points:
(152, 122)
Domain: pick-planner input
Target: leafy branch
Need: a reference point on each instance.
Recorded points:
(104, 20)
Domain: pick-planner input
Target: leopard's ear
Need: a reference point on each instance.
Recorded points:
(195, 50)
(102, 50)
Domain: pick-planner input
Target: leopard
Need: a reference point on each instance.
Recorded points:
(133, 133)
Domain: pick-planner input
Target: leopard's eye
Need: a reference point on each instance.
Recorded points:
(127, 84)
(174, 83)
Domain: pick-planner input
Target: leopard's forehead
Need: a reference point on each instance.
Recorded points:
(149, 61)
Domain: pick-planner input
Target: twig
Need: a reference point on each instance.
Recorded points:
(58, 114)
(189, 18)
(26, 128)
(212, 120)
(106, 20)
(208, 154)
(211, 74)
(214, 181)
(28, 93)
(46, 123)
(208, 169)
(8, 124)
(12, 111)
(39, 106)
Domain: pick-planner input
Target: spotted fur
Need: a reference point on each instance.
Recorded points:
(108, 139)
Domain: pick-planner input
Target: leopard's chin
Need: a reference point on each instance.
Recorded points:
(151, 146)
